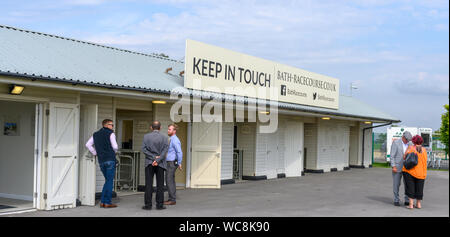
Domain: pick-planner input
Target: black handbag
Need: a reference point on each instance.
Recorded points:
(411, 160)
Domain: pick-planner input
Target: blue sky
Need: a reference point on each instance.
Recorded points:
(396, 52)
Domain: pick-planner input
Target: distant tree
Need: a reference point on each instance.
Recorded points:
(381, 140)
(444, 128)
(163, 55)
(381, 137)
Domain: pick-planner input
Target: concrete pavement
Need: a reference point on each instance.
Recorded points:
(352, 193)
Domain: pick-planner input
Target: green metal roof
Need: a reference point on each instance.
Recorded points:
(48, 57)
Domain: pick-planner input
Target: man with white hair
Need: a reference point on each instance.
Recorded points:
(399, 148)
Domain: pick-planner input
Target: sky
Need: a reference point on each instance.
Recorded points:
(396, 52)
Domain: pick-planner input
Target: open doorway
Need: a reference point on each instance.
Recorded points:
(237, 156)
(18, 161)
(128, 157)
(244, 151)
(180, 175)
(353, 146)
(126, 138)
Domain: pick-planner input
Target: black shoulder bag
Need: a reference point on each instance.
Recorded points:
(411, 160)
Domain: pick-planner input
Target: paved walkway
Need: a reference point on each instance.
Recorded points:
(356, 192)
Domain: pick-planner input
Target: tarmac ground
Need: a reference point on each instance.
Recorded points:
(351, 193)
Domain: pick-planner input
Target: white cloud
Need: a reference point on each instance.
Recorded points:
(354, 40)
(422, 84)
(246, 25)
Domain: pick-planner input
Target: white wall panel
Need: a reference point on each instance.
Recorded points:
(227, 151)
(54, 95)
(333, 145)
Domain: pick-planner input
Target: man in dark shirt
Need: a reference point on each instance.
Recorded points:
(155, 148)
(103, 145)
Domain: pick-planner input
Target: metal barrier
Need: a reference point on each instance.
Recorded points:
(127, 172)
(437, 160)
(237, 164)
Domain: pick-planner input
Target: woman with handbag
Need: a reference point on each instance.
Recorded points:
(415, 176)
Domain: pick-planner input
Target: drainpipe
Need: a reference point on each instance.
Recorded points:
(373, 142)
(364, 130)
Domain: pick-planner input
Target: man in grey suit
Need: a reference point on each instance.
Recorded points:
(399, 148)
(155, 148)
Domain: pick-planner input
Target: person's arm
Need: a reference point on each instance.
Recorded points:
(113, 141)
(144, 148)
(164, 149)
(90, 146)
(393, 152)
(178, 152)
(425, 162)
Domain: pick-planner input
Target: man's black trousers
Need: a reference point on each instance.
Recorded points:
(150, 171)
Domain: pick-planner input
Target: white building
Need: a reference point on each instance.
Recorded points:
(70, 86)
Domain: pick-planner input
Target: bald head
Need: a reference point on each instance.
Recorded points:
(156, 125)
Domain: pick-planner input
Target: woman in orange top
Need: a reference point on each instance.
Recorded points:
(415, 177)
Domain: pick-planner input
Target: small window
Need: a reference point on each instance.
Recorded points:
(426, 139)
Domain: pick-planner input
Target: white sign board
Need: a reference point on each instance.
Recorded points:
(214, 69)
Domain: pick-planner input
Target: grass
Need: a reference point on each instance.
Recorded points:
(381, 165)
(387, 165)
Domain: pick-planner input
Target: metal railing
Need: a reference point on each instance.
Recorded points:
(237, 164)
(437, 160)
(127, 171)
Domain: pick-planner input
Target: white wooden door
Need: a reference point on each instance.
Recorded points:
(87, 181)
(272, 154)
(62, 165)
(354, 148)
(294, 149)
(344, 147)
(206, 155)
(37, 157)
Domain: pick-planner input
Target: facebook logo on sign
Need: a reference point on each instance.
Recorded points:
(283, 90)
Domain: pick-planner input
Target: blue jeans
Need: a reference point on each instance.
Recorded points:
(109, 170)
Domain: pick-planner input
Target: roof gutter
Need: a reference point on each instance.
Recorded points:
(159, 94)
(34, 77)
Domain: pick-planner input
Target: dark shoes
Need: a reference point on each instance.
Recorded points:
(148, 208)
(397, 204)
(108, 205)
(170, 203)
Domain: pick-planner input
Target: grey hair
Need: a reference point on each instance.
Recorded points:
(407, 135)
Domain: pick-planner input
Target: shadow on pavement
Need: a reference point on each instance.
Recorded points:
(385, 200)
